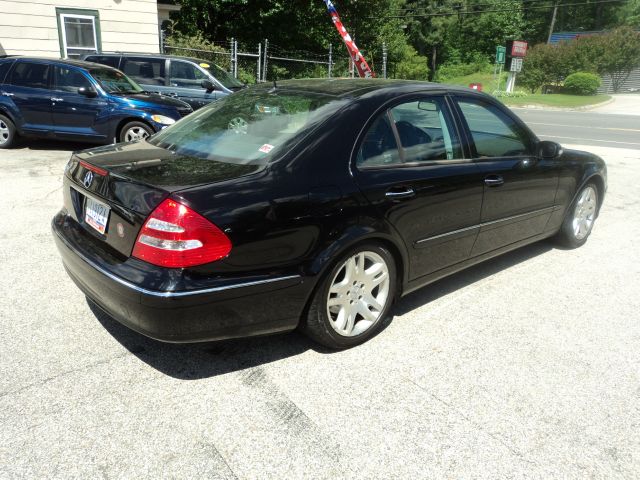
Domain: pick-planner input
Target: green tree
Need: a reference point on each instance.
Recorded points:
(428, 34)
(629, 14)
(621, 55)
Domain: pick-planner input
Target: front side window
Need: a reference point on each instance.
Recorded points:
(79, 32)
(494, 133)
(185, 75)
(148, 71)
(248, 127)
(31, 75)
(67, 79)
(225, 78)
(426, 131)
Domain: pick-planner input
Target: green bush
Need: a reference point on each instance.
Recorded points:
(582, 83)
(197, 46)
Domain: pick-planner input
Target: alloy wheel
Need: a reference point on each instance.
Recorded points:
(358, 293)
(135, 134)
(4, 133)
(584, 213)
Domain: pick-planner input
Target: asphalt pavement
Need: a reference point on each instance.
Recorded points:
(616, 124)
(527, 366)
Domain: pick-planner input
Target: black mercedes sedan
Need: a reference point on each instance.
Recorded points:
(312, 204)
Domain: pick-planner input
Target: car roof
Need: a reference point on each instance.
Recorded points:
(353, 88)
(64, 61)
(149, 55)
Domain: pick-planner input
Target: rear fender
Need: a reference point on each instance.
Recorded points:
(367, 230)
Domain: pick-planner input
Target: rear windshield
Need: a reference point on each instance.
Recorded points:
(248, 127)
(114, 81)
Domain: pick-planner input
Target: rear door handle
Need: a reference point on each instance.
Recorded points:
(399, 193)
(8, 94)
(493, 180)
(56, 99)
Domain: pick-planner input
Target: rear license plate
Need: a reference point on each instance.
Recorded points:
(96, 214)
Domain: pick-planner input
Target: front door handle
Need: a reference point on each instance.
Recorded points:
(399, 193)
(56, 99)
(8, 94)
(493, 180)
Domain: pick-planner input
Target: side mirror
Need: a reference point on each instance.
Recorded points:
(88, 92)
(207, 85)
(548, 149)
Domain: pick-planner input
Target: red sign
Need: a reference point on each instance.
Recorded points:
(519, 49)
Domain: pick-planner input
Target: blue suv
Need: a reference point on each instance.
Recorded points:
(74, 100)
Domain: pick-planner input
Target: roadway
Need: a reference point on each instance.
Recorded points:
(592, 128)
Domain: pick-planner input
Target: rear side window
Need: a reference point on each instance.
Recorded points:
(494, 133)
(104, 60)
(4, 69)
(379, 147)
(425, 130)
(32, 75)
(148, 71)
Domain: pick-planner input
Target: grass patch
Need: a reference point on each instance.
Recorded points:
(556, 100)
(490, 84)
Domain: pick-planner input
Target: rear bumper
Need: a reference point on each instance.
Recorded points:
(228, 308)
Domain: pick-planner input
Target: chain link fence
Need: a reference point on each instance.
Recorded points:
(267, 62)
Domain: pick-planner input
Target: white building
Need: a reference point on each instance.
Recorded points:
(70, 28)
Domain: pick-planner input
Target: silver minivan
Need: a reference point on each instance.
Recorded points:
(197, 82)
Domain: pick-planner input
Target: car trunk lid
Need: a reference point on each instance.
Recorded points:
(112, 190)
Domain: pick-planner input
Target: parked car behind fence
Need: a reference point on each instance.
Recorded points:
(197, 82)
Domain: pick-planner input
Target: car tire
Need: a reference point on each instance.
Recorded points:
(8, 132)
(135, 131)
(580, 217)
(362, 280)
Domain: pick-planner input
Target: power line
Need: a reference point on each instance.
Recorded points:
(510, 10)
(459, 6)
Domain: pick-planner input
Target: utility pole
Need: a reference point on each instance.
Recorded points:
(553, 20)
(384, 60)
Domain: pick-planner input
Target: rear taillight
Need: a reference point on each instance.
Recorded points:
(175, 236)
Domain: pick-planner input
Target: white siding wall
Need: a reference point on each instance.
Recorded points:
(31, 28)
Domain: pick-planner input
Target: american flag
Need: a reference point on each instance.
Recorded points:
(358, 60)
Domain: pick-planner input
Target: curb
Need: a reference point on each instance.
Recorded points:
(564, 109)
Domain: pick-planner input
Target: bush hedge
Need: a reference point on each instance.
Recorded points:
(582, 83)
